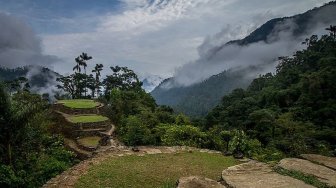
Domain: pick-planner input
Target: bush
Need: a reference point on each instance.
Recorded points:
(133, 132)
(184, 135)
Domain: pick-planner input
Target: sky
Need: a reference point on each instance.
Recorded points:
(149, 36)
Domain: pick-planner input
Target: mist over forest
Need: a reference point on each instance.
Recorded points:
(168, 93)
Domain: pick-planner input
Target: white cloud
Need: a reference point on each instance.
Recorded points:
(158, 36)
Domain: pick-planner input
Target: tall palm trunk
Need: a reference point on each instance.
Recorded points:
(85, 82)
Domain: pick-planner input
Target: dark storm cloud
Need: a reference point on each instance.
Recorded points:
(19, 46)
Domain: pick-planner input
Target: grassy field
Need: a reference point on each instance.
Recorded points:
(87, 118)
(79, 103)
(157, 170)
(91, 141)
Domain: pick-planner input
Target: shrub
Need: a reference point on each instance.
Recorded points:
(184, 135)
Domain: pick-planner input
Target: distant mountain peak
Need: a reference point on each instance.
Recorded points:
(199, 86)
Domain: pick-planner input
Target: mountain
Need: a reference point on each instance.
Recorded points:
(277, 35)
(150, 82)
(39, 77)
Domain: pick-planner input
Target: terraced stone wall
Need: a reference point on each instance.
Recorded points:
(75, 111)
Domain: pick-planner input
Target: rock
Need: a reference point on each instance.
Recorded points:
(322, 173)
(152, 151)
(244, 160)
(105, 141)
(198, 182)
(258, 175)
(135, 149)
(326, 161)
(238, 155)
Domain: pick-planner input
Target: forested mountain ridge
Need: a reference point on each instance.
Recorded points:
(201, 96)
(302, 21)
(198, 99)
(293, 110)
(38, 77)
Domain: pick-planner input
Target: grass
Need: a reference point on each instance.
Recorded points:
(159, 170)
(87, 118)
(308, 179)
(79, 103)
(91, 141)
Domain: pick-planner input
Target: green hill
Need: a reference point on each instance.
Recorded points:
(198, 99)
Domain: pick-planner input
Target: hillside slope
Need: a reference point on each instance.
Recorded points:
(197, 99)
(39, 77)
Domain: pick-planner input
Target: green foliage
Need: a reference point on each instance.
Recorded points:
(184, 135)
(28, 155)
(291, 111)
(133, 132)
(182, 119)
(198, 99)
(239, 143)
(123, 103)
(122, 78)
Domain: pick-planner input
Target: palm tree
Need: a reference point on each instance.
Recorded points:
(78, 64)
(97, 69)
(332, 30)
(83, 58)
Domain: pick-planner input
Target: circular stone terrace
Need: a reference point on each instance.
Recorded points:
(83, 126)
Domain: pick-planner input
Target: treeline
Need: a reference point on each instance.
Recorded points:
(285, 114)
(82, 85)
(291, 112)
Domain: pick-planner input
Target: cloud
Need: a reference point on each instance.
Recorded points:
(19, 45)
(215, 56)
(156, 36)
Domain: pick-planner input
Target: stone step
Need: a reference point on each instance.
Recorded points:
(110, 131)
(93, 125)
(323, 160)
(324, 174)
(258, 175)
(198, 182)
(72, 145)
(89, 132)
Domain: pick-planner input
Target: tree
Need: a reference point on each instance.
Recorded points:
(332, 30)
(97, 69)
(68, 85)
(122, 78)
(91, 84)
(264, 124)
(83, 58)
(226, 136)
(238, 144)
(28, 154)
(182, 119)
(18, 84)
(78, 77)
(134, 132)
